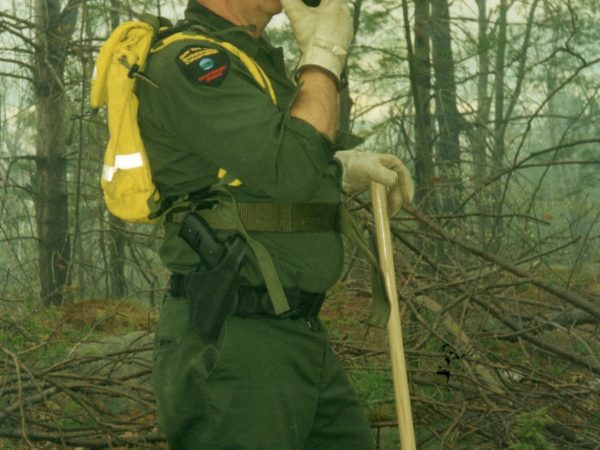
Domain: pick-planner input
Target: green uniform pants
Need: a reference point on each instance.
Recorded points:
(266, 384)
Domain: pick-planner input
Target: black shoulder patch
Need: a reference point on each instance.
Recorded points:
(203, 65)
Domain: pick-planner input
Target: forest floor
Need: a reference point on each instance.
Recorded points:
(77, 376)
(441, 377)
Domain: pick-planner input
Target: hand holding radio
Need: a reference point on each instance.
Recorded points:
(323, 30)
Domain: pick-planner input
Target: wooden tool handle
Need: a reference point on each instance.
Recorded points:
(399, 372)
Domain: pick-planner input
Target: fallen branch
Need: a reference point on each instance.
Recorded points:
(569, 296)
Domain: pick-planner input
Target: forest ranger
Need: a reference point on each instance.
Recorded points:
(261, 161)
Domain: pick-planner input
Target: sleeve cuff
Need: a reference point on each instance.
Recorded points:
(343, 140)
(346, 141)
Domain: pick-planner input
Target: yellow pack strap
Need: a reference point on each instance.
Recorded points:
(264, 260)
(127, 185)
(255, 70)
(380, 310)
(272, 217)
(227, 179)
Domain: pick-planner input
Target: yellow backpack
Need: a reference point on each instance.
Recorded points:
(129, 191)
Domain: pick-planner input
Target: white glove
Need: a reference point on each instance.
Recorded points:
(360, 168)
(324, 33)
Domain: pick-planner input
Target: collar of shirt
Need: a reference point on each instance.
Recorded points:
(197, 13)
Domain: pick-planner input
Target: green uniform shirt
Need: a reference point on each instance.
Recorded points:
(201, 119)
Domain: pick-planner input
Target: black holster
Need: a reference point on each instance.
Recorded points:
(211, 292)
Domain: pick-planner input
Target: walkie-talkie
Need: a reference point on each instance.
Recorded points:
(312, 3)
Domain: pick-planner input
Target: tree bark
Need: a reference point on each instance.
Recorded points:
(448, 117)
(484, 101)
(116, 238)
(346, 102)
(498, 153)
(54, 30)
(420, 77)
(498, 150)
(118, 285)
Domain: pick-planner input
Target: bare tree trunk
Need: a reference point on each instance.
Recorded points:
(118, 285)
(498, 153)
(116, 238)
(54, 29)
(481, 134)
(556, 128)
(484, 101)
(502, 118)
(346, 102)
(420, 76)
(1, 119)
(115, 16)
(498, 150)
(448, 118)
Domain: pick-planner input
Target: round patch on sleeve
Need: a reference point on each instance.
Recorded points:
(203, 65)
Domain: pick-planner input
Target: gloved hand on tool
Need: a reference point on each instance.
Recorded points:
(324, 33)
(360, 168)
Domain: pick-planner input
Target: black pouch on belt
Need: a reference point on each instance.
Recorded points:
(211, 293)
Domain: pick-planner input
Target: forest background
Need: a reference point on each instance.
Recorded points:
(494, 106)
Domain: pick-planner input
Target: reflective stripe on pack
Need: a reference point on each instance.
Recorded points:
(122, 162)
(108, 172)
(127, 184)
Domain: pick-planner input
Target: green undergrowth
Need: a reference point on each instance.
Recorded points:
(50, 345)
(43, 335)
(459, 411)
(529, 429)
(40, 336)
